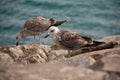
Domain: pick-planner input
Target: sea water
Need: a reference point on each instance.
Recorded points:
(93, 18)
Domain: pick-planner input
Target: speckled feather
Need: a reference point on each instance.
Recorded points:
(37, 24)
(71, 40)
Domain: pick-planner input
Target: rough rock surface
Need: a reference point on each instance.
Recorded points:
(102, 53)
(5, 59)
(34, 62)
(109, 63)
(48, 72)
(29, 53)
(77, 61)
(115, 39)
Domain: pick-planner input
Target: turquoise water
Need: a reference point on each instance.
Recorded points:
(94, 18)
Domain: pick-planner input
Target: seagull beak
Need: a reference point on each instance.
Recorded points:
(46, 36)
(17, 43)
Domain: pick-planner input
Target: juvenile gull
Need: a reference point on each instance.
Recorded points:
(36, 26)
(70, 40)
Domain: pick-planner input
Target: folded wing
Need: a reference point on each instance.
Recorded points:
(72, 40)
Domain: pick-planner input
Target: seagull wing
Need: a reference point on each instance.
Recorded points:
(37, 24)
(88, 39)
(71, 40)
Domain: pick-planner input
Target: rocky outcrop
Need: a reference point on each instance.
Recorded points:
(115, 39)
(42, 62)
(48, 72)
(76, 61)
(102, 53)
(27, 54)
(109, 63)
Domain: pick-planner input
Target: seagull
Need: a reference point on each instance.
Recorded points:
(70, 40)
(36, 26)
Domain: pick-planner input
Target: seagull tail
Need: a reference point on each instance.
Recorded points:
(59, 22)
(96, 43)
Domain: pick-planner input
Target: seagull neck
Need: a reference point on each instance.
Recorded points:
(55, 33)
(23, 35)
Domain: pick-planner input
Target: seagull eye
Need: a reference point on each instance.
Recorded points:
(52, 30)
(16, 37)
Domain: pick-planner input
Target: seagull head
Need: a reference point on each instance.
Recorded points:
(53, 30)
(18, 39)
(52, 20)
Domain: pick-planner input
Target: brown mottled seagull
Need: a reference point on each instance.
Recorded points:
(36, 26)
(70, 40)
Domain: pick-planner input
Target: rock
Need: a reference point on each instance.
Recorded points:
(25, 53)
(101, 53)
(101, 76)
(76, 61)
(49, 72)
(95, 65)
(5, 59)
(115, 39)
(30, 53)
(109, 63)
(110, 42)
(38, 54)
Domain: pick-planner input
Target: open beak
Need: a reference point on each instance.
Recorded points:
(17, 43)
(46, 36)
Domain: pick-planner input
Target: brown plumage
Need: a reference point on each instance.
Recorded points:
(70, 40)
(36, 26)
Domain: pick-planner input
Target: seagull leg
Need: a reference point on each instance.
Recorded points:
(69, 53)
(34, 40)
(39, 40)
